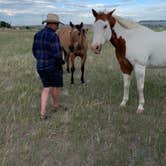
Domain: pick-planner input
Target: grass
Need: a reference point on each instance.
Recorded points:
(94, 131)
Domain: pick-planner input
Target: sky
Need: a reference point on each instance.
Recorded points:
(32, 12)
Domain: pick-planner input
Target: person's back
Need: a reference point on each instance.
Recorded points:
(42, 48)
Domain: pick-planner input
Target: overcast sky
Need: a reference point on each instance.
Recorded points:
(32, 12)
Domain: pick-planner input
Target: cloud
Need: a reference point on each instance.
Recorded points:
(79, 9)
(143, 11)
(11, 8)
(7, 12)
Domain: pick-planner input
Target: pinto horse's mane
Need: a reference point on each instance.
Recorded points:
(125, 23)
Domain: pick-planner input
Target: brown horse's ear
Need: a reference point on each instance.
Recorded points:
(71, 24)
(111, 12)
(94, 13)
(81, 25)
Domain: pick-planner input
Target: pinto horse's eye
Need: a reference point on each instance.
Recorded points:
(79, 33)
(105, 26)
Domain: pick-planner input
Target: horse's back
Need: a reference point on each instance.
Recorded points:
(64, 35)
(148, 48)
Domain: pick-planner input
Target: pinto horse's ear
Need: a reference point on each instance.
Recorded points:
(111, 12)
(94, 13)
(71, 24)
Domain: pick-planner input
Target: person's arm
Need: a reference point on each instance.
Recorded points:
(56, 49)
(33, 47)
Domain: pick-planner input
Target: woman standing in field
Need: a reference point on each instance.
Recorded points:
(47, 51)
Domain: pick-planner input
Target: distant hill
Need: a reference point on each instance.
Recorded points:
(153, 23)
(86, 26)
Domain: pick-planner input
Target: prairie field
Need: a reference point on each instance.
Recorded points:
(94, 131)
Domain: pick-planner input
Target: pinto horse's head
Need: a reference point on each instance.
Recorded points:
(101, 29)
(75, 36)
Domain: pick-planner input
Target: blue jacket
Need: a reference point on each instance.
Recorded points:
(46, 49)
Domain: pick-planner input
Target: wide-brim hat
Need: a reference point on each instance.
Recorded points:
(52, 18)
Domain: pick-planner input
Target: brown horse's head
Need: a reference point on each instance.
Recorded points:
(75, 36)
(102, 32)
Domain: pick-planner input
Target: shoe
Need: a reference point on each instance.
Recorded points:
(43, 117)
(54, 109)
(64, 108)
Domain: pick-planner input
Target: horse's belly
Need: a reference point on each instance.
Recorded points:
(150, 54)
(157, 56)
(140, 56)
(157, 59)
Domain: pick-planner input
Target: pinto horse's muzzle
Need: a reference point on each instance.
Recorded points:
(96, 48)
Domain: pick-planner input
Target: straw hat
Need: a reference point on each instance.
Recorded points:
(52, 18)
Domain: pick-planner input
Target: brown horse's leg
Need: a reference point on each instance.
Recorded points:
(72, 56)
(83, 59)
(65, 54)
(68, 62)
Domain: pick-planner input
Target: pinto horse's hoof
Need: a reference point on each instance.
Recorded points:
(140, 111)
(122, 104)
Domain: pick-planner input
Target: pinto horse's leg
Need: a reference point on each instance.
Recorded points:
(72, 68)
(126, 84)
(140, 76)
(83, 59)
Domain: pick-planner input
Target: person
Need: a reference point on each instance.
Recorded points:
(47, 51)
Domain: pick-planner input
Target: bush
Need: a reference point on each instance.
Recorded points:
(4, 24)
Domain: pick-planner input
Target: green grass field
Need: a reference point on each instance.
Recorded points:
(94, 131)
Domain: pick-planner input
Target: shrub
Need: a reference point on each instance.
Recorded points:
(4, 24)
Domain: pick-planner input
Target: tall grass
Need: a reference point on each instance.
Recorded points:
(94, 130)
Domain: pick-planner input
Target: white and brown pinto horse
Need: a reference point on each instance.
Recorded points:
(74, 43)
(136, 47)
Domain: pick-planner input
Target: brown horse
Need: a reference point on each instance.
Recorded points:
(74, 43)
